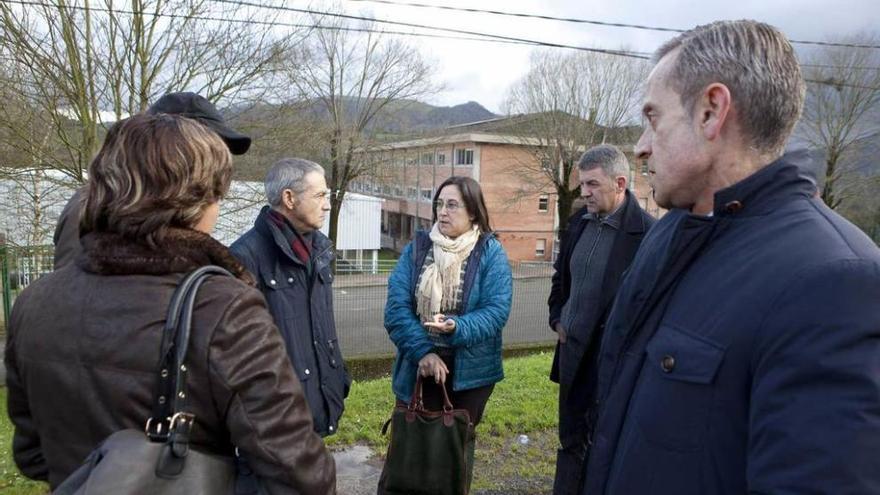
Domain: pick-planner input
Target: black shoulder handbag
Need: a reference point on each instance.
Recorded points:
(160, 461)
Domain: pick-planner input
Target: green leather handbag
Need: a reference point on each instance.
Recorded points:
(430, 452)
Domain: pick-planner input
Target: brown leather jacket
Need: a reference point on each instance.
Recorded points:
(83, 347)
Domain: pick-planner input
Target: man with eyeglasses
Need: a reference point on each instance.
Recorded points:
(290, 258)
(598, 246)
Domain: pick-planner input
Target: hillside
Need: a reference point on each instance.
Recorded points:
(296, 130)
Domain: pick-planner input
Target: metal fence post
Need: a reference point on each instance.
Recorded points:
(4, 280)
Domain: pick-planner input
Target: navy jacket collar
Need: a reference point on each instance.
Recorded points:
(766, 189)
(320, 242)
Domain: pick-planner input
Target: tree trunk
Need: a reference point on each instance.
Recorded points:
(828, 195)
(335, 208)
(564, 204)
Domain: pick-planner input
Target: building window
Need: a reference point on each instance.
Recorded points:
(543, 203)
(540, 247)
(411, 193)
(441, 158)
(386, 190)
(464, 157)
(427, 158)
(398, 192)
(644, 167)
(427, 194)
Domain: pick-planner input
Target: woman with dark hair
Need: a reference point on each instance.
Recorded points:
(448, 300)
(84, 341)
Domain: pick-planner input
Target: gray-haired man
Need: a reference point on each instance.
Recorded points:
(596, 249)
(742, 352)
(290, 259)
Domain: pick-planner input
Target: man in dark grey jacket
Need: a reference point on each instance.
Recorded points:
(598, 246)
(290, 258)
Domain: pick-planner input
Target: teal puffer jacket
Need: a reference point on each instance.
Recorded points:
(487, 291)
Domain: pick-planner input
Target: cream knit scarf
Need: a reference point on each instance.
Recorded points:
(441, 279)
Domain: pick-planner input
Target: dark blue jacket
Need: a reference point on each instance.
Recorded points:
(742, 354)
(487, 290)
(302, 307)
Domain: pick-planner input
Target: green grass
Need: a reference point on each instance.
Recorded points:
(523, 403)
(388, 255)
(11, 481)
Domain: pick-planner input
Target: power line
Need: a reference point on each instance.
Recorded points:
(488, 37)
(243, 3)
(270, 23)
(584, 21)
(482, 37)
(828, 66)
(840, 84)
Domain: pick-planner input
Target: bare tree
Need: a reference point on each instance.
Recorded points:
(572, 101)
(350, 81)
(841, 111)
(80, 65)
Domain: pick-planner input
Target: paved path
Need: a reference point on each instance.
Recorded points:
(356, 472)
(359, 315)
(360, 311)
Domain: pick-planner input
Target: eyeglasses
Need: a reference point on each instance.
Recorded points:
(451, 206)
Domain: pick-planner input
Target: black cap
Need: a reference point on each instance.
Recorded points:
(197, 107)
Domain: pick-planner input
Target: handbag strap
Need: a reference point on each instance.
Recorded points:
(169, 412)
(417, 404)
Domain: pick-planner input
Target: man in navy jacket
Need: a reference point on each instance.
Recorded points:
(291, 258)
(742, 353)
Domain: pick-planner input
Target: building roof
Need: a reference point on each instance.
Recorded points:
(515, 130)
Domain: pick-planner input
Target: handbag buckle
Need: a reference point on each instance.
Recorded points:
(182, 419)
(156, 434)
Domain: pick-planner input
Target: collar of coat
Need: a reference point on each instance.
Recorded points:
(767, 189)
(320, 243)
(632, 220)
(180, 251)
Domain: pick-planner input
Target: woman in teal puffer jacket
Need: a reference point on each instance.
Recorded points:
(449, 298)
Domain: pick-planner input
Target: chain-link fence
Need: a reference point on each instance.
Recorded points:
(19, 266)
(359, 293)
(359, 299)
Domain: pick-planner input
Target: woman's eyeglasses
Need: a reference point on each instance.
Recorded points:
(451, 206)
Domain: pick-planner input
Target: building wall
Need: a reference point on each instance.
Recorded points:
(524, 217)
(513, 202)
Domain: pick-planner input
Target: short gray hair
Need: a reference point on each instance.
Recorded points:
(608, 157)
(288, 173)
(757, 64)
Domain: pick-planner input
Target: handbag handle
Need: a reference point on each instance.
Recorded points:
(170, 398)
(416, 403)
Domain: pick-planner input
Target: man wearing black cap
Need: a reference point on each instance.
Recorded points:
(191, 105)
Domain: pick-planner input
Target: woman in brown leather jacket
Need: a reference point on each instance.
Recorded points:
(83, 343)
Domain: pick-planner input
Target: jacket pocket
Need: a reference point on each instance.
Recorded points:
(675, 393)
(325, 274)
(273, 280)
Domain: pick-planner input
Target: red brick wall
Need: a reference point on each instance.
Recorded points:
(513, 202)
(513, 205)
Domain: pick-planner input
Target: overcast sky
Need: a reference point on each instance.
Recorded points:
(482, 71)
